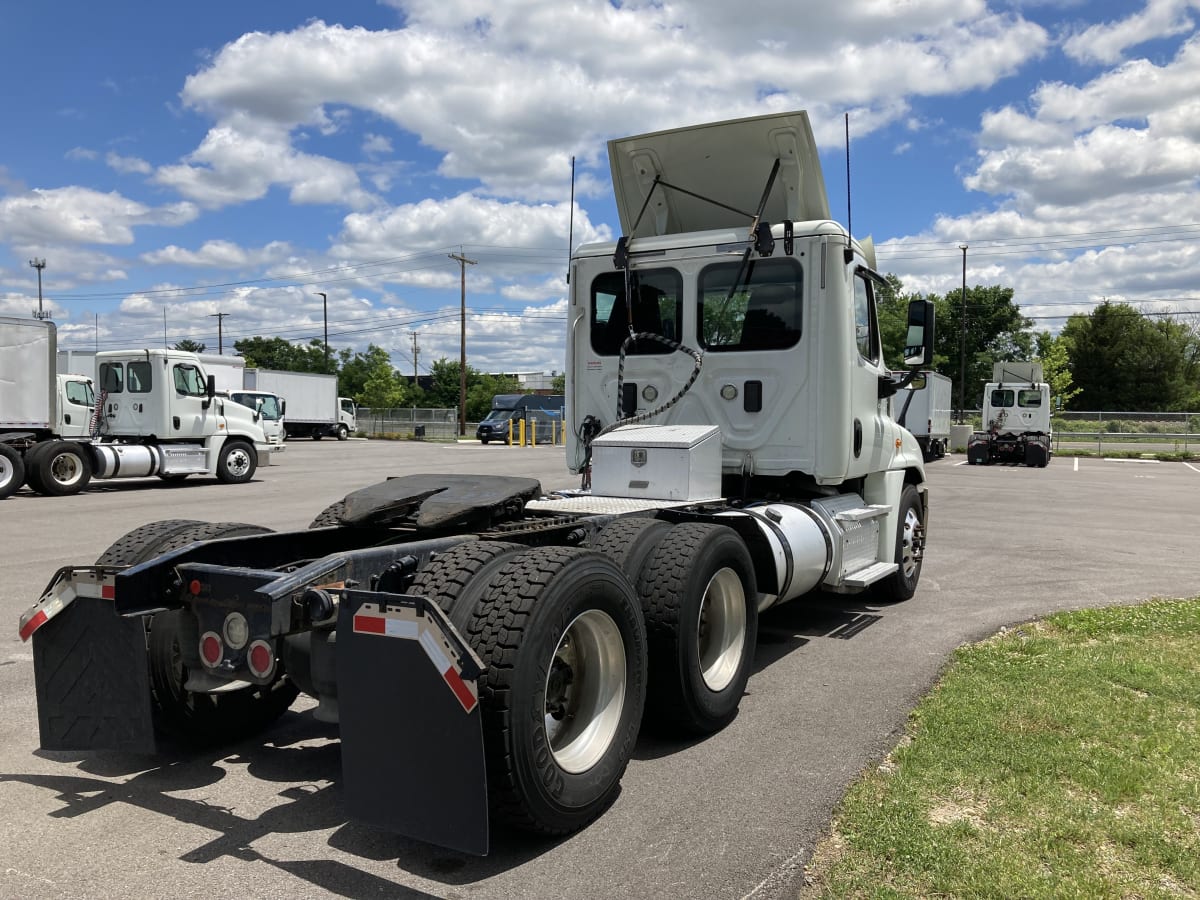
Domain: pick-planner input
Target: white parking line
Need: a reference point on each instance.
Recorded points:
(1193, 468)
(1077, 464)
(963, 463)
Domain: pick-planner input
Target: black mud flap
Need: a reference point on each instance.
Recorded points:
(93, 689)
(408, 707)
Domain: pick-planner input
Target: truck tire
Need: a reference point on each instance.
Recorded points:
(316, 434)
(12, 471)
(629, 542)
(192, 718)
(456, 579)
(910, 550)
(63, 468)
(561, 636)
(343, 433)
(236, 462)
(330, 515)
(700, 599)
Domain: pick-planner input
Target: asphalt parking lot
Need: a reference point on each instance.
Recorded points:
(732, 816)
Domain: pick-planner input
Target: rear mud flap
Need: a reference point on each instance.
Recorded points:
(412, 739)
(93, 689)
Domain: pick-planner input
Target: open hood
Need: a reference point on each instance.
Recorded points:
(729, 162)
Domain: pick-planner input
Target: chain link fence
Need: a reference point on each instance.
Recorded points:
(404, 423)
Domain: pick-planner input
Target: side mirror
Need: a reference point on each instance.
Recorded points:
(282, 407)
(211, 387)
(918, 346)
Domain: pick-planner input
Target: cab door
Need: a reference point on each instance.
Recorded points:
(872, 436)
(190, 411)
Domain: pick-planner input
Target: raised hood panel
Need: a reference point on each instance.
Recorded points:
(729, 162)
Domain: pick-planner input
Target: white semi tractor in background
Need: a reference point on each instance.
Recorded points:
(1016, 417)
(490, 652)
(312, 407)
(923, 407)
(153, 412)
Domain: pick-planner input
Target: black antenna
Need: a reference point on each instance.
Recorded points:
(571, 227)
(849, 217)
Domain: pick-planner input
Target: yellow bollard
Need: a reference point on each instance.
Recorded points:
(508, 439)
(533, 433)
(521, 432)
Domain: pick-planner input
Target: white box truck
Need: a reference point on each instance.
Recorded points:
(924, 409)
(155, 412)
(311, 405)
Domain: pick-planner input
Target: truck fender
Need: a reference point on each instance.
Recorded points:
(885, 488)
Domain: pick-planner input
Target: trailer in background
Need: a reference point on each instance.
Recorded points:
(924, 409)
(311, 405)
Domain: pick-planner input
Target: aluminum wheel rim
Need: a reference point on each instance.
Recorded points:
(7, 471)
(721, 635)
(910, 549)
(66, 469)
(239, 461)
(585, 691)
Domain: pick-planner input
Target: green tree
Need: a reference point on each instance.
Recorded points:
(444, 389)
(190, 346)
(996, 332)
(1123, 360)
(1056, 367)
(356, 368)
(559, 384)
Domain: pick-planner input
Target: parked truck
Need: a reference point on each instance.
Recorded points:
(924, 409)
(509, 409)
(1016, 417)
(156, 413)
(313, 407)
(489, 651)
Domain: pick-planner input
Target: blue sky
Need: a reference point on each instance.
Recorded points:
(170, 162)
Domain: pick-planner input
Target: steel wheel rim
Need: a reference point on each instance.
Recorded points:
(7, 471)
(721, 632)
(66, 469)
(585, 691)
(910, 549)
(239, 461)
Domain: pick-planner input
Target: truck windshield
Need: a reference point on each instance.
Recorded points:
(763, 313)
(499, 415)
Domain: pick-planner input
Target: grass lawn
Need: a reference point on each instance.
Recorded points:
(1058, 759)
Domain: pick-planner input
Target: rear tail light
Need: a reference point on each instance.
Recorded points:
(212, 651)
(260, 659)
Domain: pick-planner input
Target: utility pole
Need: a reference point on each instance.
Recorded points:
(39, 264)
(962, 342)
(463, 262)
(325, 308)
(220, 317)
(416, 350)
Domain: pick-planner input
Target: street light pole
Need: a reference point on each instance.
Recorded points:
(325, 310)
(962, 342)
(463, 262)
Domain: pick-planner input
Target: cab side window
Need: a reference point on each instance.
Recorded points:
(866, 329)
(188, 380)
(80, 392)
(1002, 398)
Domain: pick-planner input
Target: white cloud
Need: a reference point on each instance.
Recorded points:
(1107, 42)
(82, 215)
(218, 254)
(127, 165)
(81, 153)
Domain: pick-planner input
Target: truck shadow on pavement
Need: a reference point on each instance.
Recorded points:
(311, 803)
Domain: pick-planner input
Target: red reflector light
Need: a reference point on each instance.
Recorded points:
(194, 587)
(211, 649)
(261, 659)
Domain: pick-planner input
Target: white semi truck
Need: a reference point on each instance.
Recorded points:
(924, 409)
(490, 652)
(1016, 417)
(155, 413)
(312, 405)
